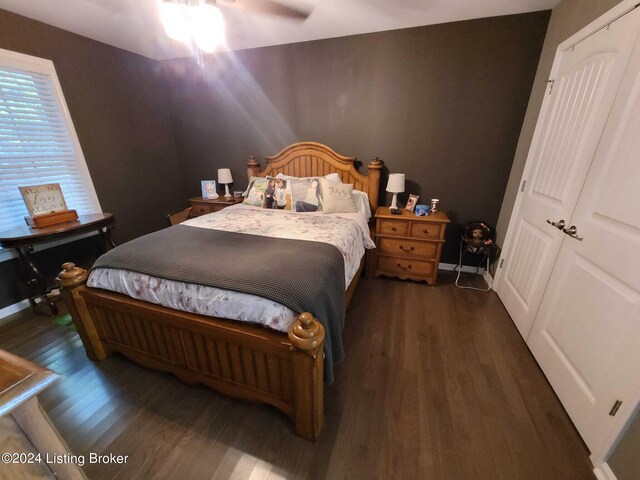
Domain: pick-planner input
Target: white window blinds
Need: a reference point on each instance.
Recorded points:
(38, 144)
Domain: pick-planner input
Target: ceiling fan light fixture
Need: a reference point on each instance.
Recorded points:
(176, 20)
(198, 22)
(207, 27)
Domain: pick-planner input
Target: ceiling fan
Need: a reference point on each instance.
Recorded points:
(200, 22)
(267, 7)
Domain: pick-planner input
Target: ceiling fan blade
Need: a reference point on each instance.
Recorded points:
(270, 7)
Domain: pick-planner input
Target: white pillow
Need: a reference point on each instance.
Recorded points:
(337, 197)
(361, 201)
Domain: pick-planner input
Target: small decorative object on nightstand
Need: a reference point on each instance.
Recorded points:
(224, 178)
(395, 185)
(202, 206)
(209, 189)
(409, 246)
(411, 203)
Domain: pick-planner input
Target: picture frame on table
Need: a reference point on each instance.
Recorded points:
(411, 203)
(209, 189)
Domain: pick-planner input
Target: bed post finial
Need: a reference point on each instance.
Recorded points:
(70, 279)
(306, 333)
(307, 342)
(71, 276)
(375, 166)
(253, 167)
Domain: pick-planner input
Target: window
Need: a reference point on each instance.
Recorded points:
(38, 143)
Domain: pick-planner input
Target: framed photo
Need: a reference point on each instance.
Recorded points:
(209, 189)
(411, 203)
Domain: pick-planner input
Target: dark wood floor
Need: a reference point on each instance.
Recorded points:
(437, 384)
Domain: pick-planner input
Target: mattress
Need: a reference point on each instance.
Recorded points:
(348, 232)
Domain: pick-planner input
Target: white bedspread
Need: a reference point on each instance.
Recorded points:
(349, 232)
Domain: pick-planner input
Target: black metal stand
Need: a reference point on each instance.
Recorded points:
(34, 280)
(483, 257)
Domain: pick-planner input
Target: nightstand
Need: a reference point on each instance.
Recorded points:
(409, 246)
(202, 206)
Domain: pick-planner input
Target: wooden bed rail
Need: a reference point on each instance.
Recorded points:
(238, 359)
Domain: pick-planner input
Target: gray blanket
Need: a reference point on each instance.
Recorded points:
(302, 275)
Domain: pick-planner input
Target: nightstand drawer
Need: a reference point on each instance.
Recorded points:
(202, 206)
(217, 208)
(397, 228)
(425, 230)
(199, 209)
(404, 266)
(413, 248)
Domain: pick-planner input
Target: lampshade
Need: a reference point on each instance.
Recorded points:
(224, 176)
(395, 183)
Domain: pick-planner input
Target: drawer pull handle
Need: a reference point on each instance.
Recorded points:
(393, 229)
(406, 250)
(408, 267)
(425, 231)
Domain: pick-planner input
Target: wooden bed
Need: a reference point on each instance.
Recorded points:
(238, 359)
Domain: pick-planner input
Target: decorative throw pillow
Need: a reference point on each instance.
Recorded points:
(337, 197)
(255, 195)
(268, 192)
(306, 194)
(282, 194)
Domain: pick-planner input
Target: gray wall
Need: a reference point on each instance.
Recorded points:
(118, 105)
(444, 104)
(566, 19)
(625, 461)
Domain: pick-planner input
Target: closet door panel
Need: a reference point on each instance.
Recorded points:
(586, 336)
(587, 77)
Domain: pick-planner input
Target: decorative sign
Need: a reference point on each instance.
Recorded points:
(43, 199)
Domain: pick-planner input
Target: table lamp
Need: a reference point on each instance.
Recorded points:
(395, 185)
(224, 178)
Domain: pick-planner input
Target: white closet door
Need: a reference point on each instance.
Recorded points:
(586, 336)
(587, 77)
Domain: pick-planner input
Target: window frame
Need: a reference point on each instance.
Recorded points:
(44, 66)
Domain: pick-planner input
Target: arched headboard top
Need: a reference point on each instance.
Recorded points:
(311, 159)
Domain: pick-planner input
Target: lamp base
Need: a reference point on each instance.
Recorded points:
(394, 202)
(226, 191)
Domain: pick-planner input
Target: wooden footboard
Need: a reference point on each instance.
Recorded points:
(241, 360)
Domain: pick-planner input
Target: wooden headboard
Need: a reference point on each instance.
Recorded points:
(311, 159)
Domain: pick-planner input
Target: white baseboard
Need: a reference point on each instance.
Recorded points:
(465, 268)
(488, 278)
(11, 309)
(603, 472)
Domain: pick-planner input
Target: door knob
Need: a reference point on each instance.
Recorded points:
(572, 231)
(559, 224)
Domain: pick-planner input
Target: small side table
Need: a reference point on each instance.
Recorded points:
(202, 206)
(409, 246)
(23, 239)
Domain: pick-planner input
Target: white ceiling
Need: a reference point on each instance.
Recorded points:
(134, 24)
